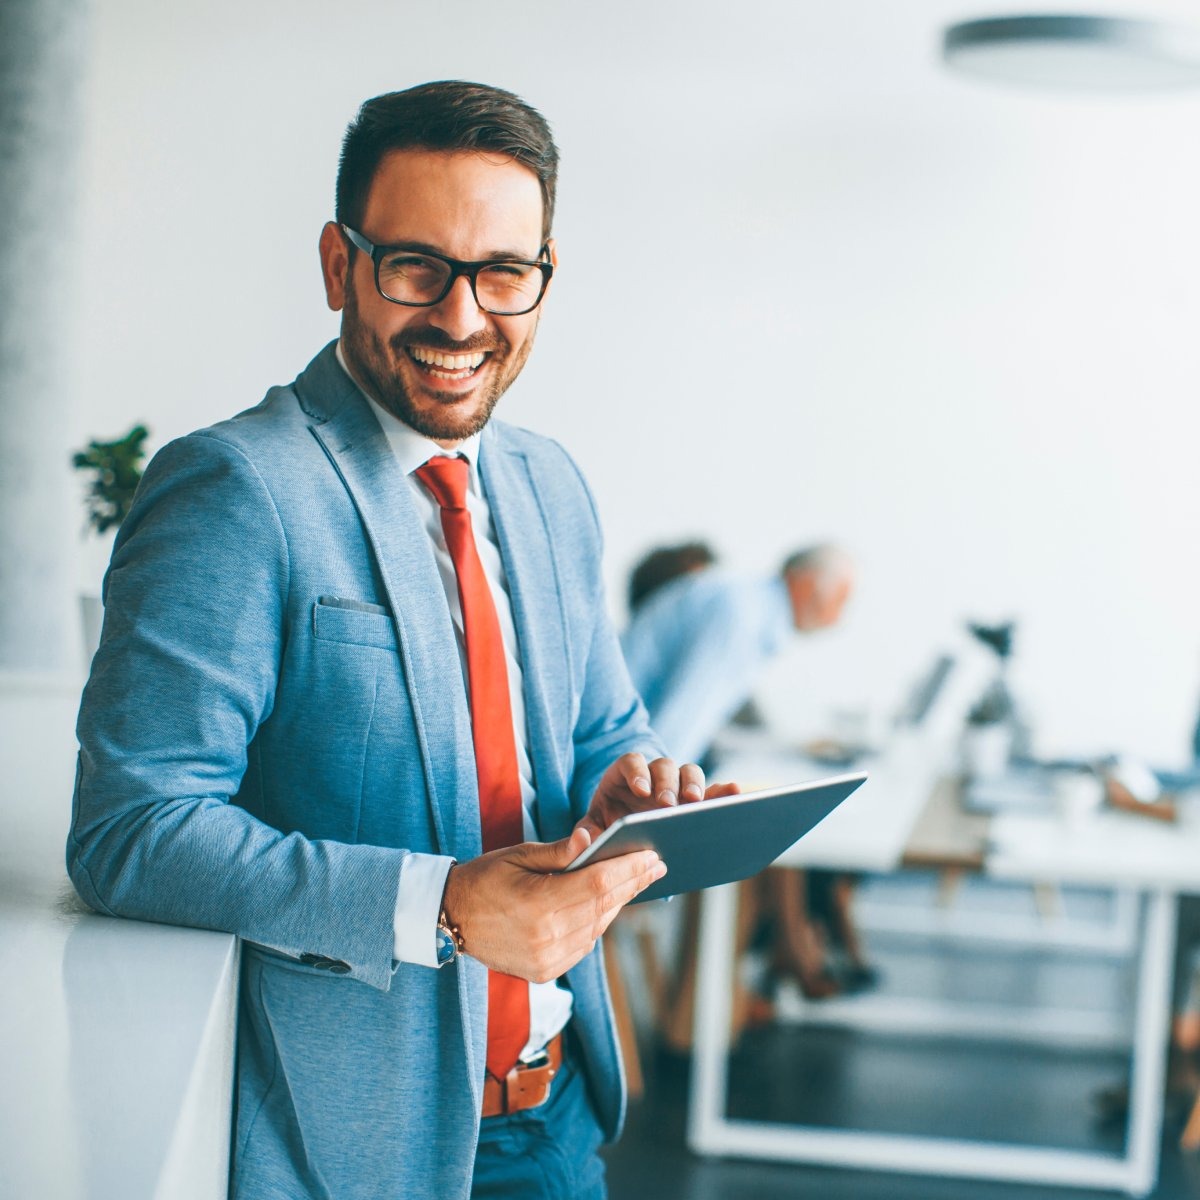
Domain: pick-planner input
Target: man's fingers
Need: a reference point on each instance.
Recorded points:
(627, 891)
(691, 783)
(547, 857)
(635, 772)
(638, 884)
(589, 823)
(610, 884)
(664, 779)
(581, 938)
(715, 791)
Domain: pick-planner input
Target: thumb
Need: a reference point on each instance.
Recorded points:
(555, 856)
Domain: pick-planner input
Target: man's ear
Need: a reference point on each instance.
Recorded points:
(335, 265)
(552, 249)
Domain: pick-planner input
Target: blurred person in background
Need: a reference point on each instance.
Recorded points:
(698, 641)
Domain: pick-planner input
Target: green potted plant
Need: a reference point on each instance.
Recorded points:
(114, 470)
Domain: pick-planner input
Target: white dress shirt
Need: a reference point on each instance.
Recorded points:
(423, 876)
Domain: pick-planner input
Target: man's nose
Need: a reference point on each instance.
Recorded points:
(457, 314)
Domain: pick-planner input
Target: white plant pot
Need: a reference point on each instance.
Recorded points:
(91, 610)
(986, 750)
(94, 555)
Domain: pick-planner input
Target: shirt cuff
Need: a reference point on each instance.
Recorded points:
(418, 906)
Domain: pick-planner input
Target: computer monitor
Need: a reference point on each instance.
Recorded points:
(925, 692)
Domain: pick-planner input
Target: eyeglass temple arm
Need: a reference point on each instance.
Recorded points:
(357, 239)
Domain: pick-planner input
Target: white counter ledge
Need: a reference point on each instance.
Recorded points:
(116, 1037)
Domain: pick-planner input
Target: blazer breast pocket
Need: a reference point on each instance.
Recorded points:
(354, 623)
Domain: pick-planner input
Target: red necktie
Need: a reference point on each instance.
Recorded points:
(500, 810)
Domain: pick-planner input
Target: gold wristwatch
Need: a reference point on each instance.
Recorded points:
(449, 941)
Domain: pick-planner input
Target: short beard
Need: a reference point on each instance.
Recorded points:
(368, 359)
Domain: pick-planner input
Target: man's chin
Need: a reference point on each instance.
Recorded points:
(445, 417)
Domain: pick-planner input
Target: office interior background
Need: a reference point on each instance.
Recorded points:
(955, 326)
(812, 285)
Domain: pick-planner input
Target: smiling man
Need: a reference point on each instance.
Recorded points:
(357, 701)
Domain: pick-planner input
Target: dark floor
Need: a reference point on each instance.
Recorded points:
(1038, 1097)
(992, 1091)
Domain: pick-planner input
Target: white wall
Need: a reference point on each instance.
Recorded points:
(961, 333)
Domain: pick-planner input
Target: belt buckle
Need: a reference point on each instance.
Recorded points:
(522, 1092)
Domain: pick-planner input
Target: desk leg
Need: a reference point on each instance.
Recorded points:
(1151, 1042)
(715, 975)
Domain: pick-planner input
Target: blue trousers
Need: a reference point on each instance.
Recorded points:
(543, 1153)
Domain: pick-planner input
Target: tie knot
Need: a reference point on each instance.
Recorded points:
(446, 478)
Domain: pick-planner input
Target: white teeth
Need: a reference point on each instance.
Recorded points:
(447, 362)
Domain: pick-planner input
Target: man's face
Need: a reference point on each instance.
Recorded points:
(817, 603)
(464, 205)
(831, 601)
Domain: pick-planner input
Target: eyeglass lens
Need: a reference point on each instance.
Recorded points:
(502, 287)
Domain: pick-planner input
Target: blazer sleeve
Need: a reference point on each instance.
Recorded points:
(194, 628)
(611, 718)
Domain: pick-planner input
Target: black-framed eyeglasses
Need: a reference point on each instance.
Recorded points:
(420, 279)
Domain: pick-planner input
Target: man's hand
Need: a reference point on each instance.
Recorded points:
(517, 914)
(631, 785)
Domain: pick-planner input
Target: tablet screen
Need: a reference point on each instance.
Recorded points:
(710, 842)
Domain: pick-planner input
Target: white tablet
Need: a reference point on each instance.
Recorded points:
(718, 841)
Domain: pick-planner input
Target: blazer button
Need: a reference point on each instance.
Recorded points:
(339, 968)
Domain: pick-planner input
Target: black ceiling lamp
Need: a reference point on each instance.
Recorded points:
(1073, 52)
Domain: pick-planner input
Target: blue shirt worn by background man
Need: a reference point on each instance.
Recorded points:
(697, 647)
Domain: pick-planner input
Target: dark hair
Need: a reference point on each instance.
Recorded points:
(448, 115)
(666, 563)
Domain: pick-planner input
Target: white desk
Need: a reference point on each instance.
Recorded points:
(870, 830)
(1111, 850)
(116, 1036)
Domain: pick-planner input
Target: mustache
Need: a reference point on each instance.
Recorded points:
(435, 339)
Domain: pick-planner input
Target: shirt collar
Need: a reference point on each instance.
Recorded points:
(413, 449)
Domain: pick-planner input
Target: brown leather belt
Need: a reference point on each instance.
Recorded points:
(527, 1085)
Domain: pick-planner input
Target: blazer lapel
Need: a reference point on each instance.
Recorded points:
(358, 449)
(533, 587)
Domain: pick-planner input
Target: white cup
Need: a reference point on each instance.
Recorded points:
(1078, 796)
(985, 750)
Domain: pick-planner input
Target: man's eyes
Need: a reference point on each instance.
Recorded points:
(418, 262)
(411, 262)
(507, 270)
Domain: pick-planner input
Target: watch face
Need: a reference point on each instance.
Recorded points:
(445, 947)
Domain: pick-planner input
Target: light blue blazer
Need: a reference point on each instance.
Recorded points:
(256, 759)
